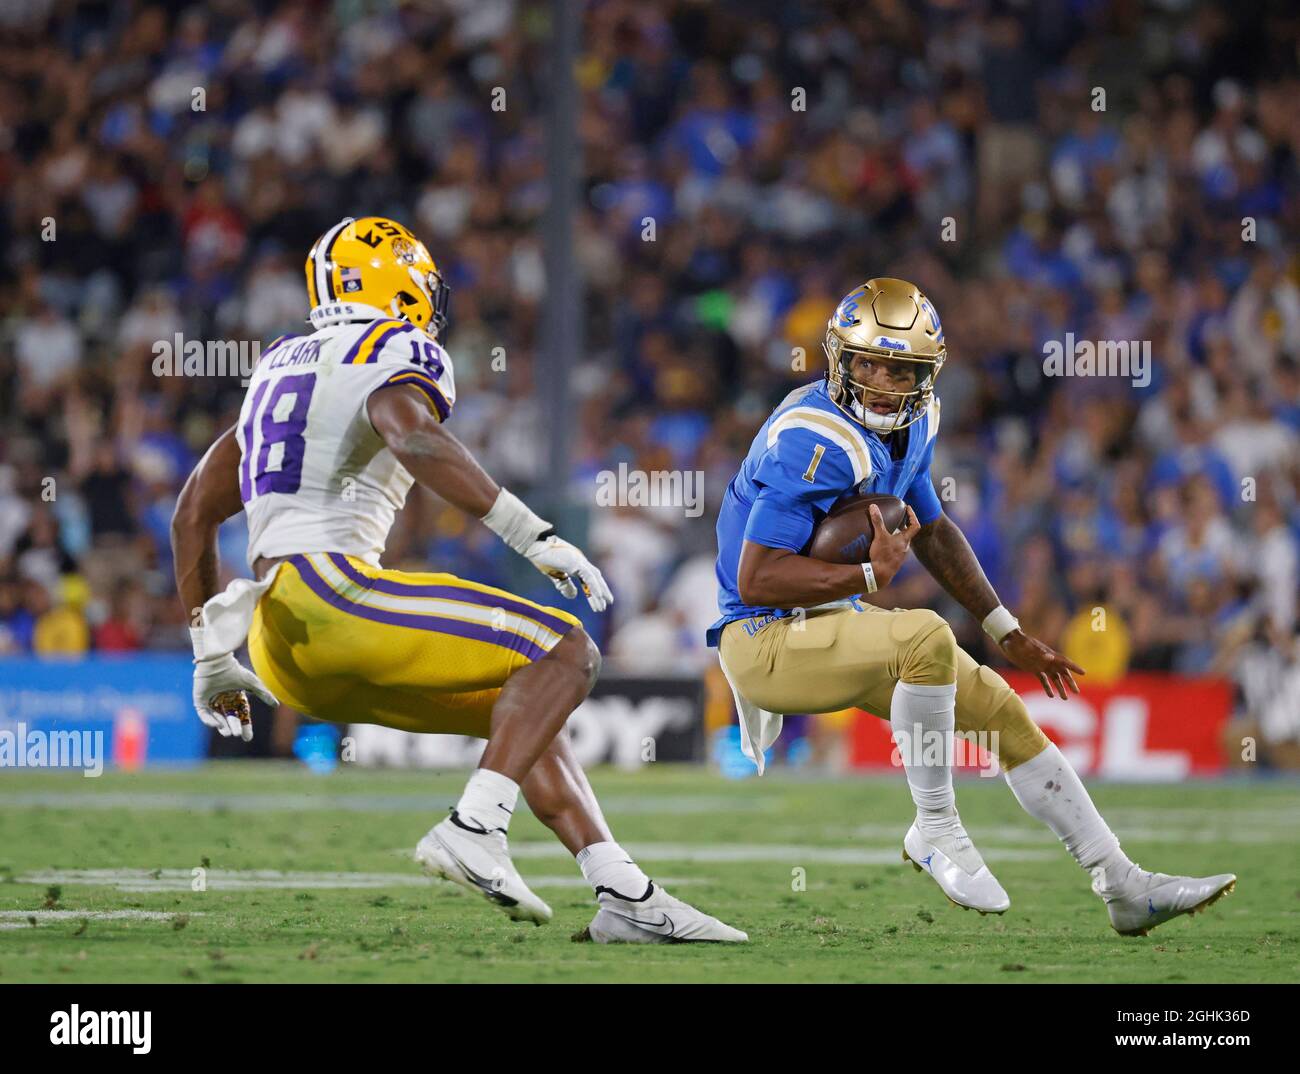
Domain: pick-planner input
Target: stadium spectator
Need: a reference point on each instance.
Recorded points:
(781, 155)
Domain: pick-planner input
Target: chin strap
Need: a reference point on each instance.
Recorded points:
(877, 423)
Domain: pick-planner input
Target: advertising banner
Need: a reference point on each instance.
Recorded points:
(1146, 726)
(95, 711)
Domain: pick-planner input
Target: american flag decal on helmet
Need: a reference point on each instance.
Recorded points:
(351, 278)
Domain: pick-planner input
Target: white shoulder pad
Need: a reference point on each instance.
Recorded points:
(835, 428)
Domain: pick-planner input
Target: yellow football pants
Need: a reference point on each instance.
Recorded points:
(344, 641)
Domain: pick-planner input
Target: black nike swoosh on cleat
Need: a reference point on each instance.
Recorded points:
(658, 926)
(484, 885)
(654, 926)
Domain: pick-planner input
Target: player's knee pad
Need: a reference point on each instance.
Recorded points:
(928, 650)
(987, 705)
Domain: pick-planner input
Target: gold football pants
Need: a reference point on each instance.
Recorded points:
(851, 656)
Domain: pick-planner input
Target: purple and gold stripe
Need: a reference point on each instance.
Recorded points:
(464, 594)
(427, 385)
(432, 623)
(369, 345)
(280, 339)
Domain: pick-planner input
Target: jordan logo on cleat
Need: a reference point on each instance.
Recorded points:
(1151, 907)
(927, 859)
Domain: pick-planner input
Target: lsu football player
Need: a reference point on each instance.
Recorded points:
(870, 427)
(336, 426)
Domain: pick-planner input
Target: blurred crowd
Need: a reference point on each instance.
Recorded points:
(1114, 170)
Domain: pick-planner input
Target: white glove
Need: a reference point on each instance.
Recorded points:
(223, 674)
(530, 536)
(562, 562)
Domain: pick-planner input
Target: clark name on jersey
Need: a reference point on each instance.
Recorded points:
(314, 475)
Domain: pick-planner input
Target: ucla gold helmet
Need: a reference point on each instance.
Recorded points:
(884, 318)
(375, 267)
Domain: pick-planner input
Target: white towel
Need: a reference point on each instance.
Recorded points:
(228, 616)
(759, 729)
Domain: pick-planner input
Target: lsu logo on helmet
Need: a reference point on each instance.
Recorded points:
(885, 318)
(378, 266)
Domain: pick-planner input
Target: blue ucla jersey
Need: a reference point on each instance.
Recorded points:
(806, 456)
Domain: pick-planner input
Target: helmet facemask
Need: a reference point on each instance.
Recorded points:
(440, 296)
(851, 397)
(432, 292)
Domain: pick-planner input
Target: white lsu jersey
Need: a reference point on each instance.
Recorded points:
(313, 473)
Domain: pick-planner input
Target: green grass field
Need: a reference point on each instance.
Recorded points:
(308, 878)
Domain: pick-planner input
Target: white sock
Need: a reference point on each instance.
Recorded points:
(607, 865)
(922, 719)
(488, 800)
(1050, 790)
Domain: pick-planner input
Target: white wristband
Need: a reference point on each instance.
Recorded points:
(512, 521)
(999, 623)
(196, 639)
(870, 574)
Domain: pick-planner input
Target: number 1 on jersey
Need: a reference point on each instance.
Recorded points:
(818, 452)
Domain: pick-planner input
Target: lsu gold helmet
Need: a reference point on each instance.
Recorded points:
(884, 318)
(375, 267)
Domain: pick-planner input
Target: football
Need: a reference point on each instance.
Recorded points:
(844, 535)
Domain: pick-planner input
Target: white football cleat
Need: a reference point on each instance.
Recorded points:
(957, 868)
(480, 861)
(1144, 900)
(656, 917)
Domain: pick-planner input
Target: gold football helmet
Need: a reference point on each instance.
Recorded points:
(375, 266)
(884, 318)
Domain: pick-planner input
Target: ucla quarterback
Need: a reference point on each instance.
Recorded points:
(336, 426)
(794, 637)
